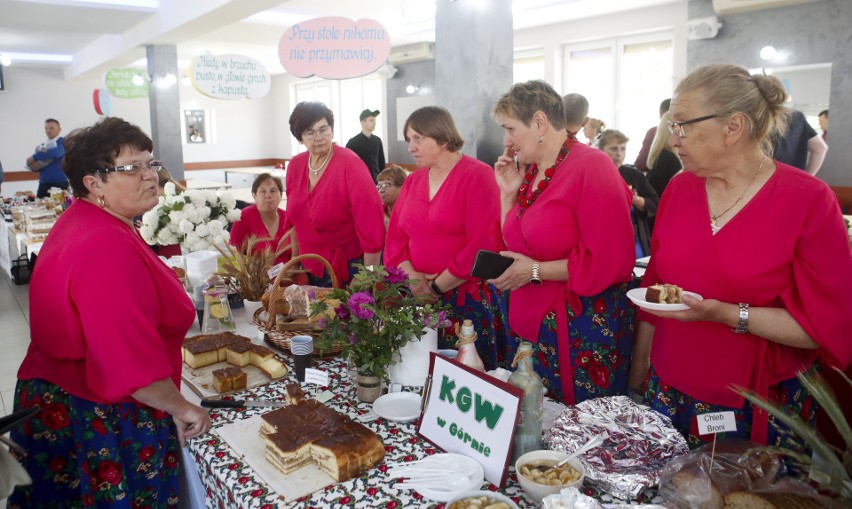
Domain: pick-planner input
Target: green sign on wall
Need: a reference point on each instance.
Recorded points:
(120, 83)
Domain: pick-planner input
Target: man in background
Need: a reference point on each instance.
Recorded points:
(823, 124)
(576, 112)
(47, 160)
(800, 146)
(641, 162)
(368, 146)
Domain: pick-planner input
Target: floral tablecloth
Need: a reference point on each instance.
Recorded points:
(231, 483)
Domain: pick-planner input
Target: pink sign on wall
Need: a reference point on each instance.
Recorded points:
(334, 48)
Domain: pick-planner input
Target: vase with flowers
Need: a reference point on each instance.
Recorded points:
(376, 317)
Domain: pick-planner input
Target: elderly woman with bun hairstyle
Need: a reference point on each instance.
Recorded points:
(331, 199)
(765, 246)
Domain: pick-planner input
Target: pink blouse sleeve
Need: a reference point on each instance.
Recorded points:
(822, 277)
(366, 210)
(396, 243)
(605, 253)
(482, 222)
(238, 234)
(124, 348)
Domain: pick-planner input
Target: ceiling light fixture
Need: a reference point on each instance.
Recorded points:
(411, 89)
(5, 60)
(137, 80)
(41, 57)
(169, 80)
(768, 52)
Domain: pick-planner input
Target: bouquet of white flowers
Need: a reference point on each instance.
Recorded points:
(195, 218)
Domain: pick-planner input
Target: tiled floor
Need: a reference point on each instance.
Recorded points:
(14, 336)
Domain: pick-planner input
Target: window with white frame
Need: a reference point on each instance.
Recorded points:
(528, 64)
(347, 99)
(624, 79)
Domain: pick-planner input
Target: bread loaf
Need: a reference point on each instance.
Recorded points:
(744, 500)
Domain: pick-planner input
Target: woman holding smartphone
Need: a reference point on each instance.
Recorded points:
(446, 212)
(566, 224)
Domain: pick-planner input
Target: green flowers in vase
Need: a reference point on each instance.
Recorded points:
(377, 316)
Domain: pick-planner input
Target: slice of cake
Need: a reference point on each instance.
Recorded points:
(205, 349)
(674, 294)
(273, 368)
(664, 294)
(259, 354)
(239, 354)
(229, 379)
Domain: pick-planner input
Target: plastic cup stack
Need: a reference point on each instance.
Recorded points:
(302, 348)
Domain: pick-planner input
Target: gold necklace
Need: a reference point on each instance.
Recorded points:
(713, 217)
(322, 165)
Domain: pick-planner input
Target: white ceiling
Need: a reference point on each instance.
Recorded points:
(87, 37)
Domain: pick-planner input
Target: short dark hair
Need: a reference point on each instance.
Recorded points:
(306, 114)
(54, 121)
(435, 122)
(611, 136)
(524, 99)
(393, 173)
(263, 177)
(91, 148)
(823, 112)
(665, 106)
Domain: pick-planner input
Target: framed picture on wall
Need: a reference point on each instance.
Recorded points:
(195, 124)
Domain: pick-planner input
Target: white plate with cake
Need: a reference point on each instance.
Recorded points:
(398, 406)
(661, 297)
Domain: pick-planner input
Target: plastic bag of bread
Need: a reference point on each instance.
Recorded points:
(282, 307)
(738, 465)
(300, 298)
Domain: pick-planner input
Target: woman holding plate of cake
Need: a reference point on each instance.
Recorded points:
(566, 224)
(331, 199)
(107, 320)
(765, 246)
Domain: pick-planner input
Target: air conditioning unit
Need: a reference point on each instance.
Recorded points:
(412, 53)
(740, 6)
(703, 28)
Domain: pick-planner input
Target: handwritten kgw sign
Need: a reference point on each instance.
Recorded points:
(470, 413)
(120, 83)
(334, 48)
(229, 76)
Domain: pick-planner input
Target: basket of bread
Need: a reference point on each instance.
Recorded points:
(286, 309)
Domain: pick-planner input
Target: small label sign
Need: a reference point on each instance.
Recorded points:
(316, 377)
(274, 270)
(717, 422)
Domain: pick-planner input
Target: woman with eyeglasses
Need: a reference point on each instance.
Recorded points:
(446, 212)
(264, 220)
(107, 321)
(331, 199)
(766, 247)
(566, 224)
(389, 182)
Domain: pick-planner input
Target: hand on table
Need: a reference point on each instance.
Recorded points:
(517, 275)
(193, 422)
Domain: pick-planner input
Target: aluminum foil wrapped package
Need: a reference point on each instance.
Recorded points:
(638, 442)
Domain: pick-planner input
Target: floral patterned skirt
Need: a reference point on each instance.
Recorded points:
(325, 280)
(85, 454)
(683, 411)
(487, 310)
(600, 346)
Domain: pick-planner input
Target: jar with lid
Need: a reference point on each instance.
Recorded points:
(528, 431)
(217, 311)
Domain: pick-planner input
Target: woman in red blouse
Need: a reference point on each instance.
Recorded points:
(766, 247)
(263, 220)
(331, 199)
(447, 211)
(566, 222)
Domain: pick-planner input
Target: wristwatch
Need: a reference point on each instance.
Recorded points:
(535, 278)
(435, 288)
(742, 323)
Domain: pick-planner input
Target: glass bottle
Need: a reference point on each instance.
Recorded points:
(466, 345)
(528, 432)
(217, 311)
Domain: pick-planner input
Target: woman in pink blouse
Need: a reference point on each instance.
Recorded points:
(108, 319)
(331, 199)
(566, 222)
(264, 220)
(766, 247)
(447, 211)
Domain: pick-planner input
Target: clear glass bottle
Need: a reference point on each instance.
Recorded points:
(528, 432)
(466, 345)
(217, 310)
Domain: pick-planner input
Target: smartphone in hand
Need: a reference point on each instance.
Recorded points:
(490, 265)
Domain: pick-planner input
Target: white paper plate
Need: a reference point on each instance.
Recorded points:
(398, 406)
(637, 295)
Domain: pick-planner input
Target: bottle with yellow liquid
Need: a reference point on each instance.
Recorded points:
(217, 310)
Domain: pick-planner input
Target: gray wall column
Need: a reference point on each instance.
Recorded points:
(164, 103)
(473, 66)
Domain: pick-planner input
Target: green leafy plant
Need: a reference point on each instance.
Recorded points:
(376, 316)
(837, 462)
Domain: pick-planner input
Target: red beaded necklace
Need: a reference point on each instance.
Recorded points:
(525, 201)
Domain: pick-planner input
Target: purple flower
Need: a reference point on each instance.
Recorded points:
(357, 302)
(443, 321)
(396, 275)
(322, 322)
(353, 339)
(342, 312)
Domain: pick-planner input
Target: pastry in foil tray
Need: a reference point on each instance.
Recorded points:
(638, 442)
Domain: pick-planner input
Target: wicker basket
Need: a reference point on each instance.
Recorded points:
(278, 335)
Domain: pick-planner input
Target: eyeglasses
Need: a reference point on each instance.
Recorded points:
(677, 127)
(133, 168)
(321, 132)
(384, 185)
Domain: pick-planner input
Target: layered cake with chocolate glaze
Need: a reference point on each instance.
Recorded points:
(309, 432)
(664, 294)
(207, 349)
